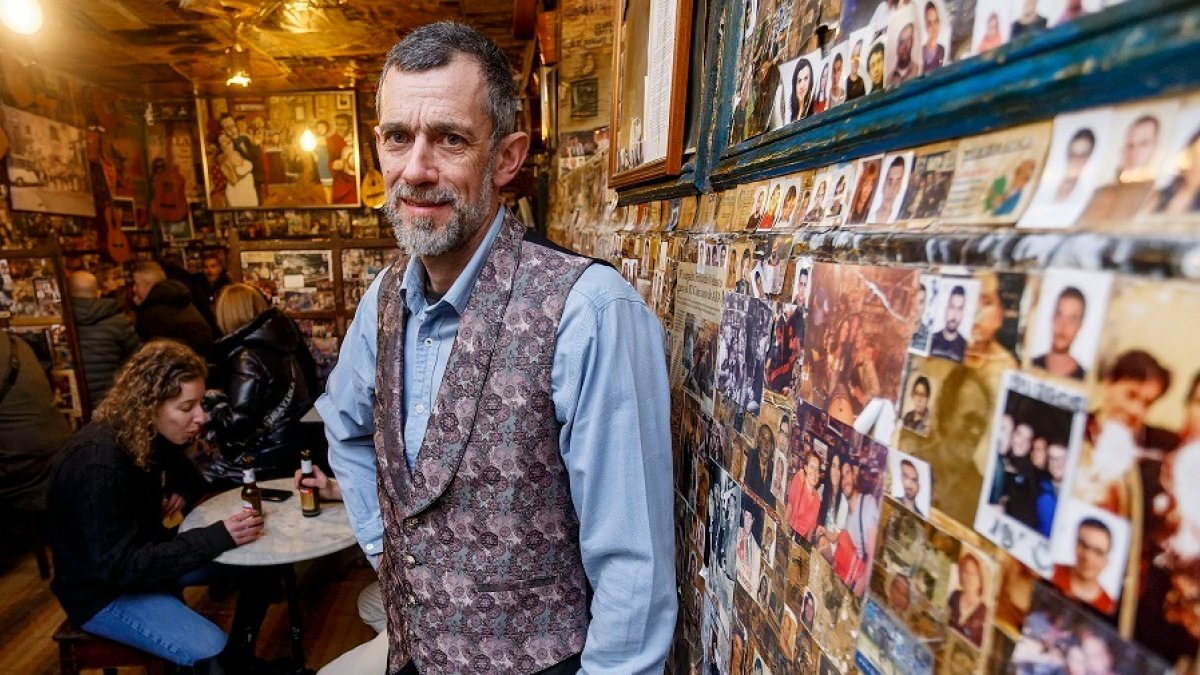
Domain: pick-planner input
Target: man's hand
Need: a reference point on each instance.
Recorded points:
(244, 526)
(327, 488)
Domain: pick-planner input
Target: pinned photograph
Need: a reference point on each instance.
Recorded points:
(1060, 638)
(758, 209)
(1072, 170)
(876, 64)
(912, 480)
(837, 60)
(794, 98)
(749, 544)
(923, 315)
(789, 214)
(770, 269)
(774, 201)
(1019, 503)
(998, 329)
(996, 175)
(766, 455)
(1068, 321)
(935, 31)
(1090, 552)
(993, 24)
(1061, 11)
(912, 568)
(742, 349)
(841, 178)
(1176, 194)
(857, 78)
(917, 416)
(887, 647)
(903, 58)
(890, 195)
(724, 519)
(954, 317)
(868, 172)
(972, 596)
(1132, 163)
(928, 183)
(786, 350)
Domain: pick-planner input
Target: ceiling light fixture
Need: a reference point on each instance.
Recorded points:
(239, 66)
(21, 16)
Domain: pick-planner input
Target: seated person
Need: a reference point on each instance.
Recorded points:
(117, 485)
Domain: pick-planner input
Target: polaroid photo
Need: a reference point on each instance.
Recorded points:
(1078, 143)
(936, 23)
(894, 175)
(1019, 501)
(954, 308)
(1068, 322)
(887, 647)
(1059, 636)
(911, 478)
(841, 178)
(923, 315)
(1176, 196)
(972, 599)
(1135, 158)
(993, 24)
(1089, 556)
(868, 171)
(928, 183)
(902, 61)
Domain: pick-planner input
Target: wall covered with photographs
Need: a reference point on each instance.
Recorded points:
(935, 400)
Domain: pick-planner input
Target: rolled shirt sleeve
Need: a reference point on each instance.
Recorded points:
(348, 410)
(611, 395)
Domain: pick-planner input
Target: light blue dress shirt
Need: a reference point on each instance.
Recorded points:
(610, 394)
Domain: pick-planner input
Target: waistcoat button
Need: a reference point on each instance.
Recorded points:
(410, 523)
(409, 561)
(412, 600)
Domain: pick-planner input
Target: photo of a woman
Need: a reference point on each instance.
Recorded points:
(968, 606)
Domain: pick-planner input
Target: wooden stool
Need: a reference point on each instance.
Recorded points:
(78, 650)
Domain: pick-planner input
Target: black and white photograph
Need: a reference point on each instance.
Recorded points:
(742, 349)
(923, 315)
(47, 166)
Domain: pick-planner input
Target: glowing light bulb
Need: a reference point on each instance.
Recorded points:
(308, 141)
(21, 16)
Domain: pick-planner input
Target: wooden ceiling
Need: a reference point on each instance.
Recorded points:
(172, 48)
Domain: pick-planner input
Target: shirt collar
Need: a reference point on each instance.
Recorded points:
(460, 290)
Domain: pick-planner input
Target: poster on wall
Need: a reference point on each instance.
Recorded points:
(47, 165)
(284, 151)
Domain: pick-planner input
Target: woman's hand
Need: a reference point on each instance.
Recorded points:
(171, 506)
(244, 526)
(327, 488)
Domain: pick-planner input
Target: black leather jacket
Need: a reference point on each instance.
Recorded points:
(271, 382)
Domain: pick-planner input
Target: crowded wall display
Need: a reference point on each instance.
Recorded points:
(935, 406)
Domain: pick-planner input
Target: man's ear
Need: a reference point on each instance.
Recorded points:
(510, 155)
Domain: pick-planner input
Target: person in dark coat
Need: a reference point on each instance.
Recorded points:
(106, 337)
(31, 428)
(116, 494)
(165, 310)
(270, 382)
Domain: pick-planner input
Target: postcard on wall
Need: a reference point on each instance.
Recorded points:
(996, 174)
(1019, 508)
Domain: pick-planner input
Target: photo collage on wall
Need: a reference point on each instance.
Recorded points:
(889, 465)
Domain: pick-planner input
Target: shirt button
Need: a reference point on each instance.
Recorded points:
(420, 407)
(428, 342)
(370, 547)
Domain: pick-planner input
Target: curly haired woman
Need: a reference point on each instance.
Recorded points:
(119, 482)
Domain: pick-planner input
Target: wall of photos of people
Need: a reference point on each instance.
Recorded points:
(891, 465)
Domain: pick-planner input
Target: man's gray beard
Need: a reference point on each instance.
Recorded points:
(418, 236)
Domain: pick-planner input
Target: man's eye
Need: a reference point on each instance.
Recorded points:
(397, 137)
(455, 141)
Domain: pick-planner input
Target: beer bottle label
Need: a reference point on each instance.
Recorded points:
(306, 466)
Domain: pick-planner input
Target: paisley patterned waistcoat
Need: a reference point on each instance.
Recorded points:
(481, 570)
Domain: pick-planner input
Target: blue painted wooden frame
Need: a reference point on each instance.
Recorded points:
(1135, 50)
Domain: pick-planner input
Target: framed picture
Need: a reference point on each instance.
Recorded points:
(650, 67)
(296, 150)
(47, 169)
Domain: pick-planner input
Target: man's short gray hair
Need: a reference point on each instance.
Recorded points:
(435, 45)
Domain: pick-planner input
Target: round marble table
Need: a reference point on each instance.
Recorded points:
(288, 537)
